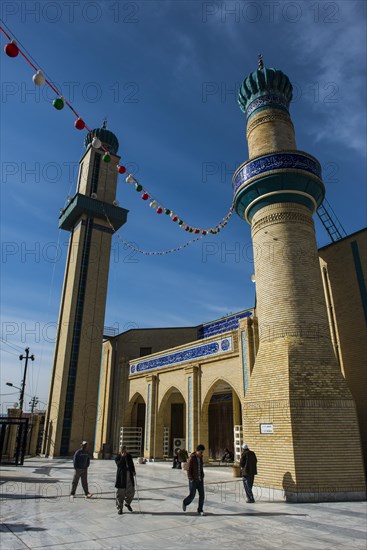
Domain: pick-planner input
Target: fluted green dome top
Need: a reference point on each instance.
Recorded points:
(265, 87)
(108, 138)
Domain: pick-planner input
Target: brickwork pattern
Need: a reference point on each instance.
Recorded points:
(349, 318)
(270, 130)
(296, 383)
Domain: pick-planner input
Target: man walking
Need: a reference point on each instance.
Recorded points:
(248, 470)
(81, 463)
(125, 484)
(195, 473)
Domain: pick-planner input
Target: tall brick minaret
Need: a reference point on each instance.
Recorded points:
(299, 416)
(72, 407)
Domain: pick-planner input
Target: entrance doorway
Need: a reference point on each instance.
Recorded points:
(220, 416)
(177, 427)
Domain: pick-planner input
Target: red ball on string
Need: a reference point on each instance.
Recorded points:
(121, 169)
(204, 232)
(79, 124)
(11, 49)
(187, 228)
(159, 210)
(174, 218)
(145, 196)
(197, 231)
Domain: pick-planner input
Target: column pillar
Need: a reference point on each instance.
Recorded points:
(193, 408)
(151, 412)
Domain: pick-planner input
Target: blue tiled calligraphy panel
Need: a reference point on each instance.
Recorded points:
(277, 161)
(224, 325)
(196, 352)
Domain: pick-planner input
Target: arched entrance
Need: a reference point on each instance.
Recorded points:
(221, 412)
(135, 417)
(171, 423)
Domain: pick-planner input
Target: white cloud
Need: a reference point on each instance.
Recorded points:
(336, 55)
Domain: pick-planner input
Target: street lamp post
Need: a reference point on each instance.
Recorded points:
(21, 437)
(26, 357)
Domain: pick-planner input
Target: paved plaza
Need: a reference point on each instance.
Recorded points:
(37, 513)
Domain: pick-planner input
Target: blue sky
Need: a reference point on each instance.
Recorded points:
(166, 76)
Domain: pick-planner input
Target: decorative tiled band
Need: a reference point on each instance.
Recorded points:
(275, 161)
(217, 347)
(223, 325)
(277, 101)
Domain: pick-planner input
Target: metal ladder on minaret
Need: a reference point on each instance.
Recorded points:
(330, 221)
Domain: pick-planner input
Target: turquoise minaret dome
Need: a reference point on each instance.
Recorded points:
(107, 137)
(265, 88)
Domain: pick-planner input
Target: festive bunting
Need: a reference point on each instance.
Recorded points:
(79, 124)
(38, 78)
(58, 103)
(150, 253)
(96, 143)
(12, 50)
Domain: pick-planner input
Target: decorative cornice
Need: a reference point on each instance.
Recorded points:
(280, 192)
(275, 115)
(281, 217)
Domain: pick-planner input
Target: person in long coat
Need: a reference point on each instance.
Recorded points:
(248, 470)
(125, 483)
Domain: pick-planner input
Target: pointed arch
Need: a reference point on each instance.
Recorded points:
(220, 412)
(135, 415)
(171, 421)
(136, 398)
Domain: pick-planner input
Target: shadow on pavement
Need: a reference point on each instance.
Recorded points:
(20, 496)
(19, 527)
(211, 514)
(32, 480)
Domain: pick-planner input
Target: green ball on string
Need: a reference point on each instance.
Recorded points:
(106, 157)
(167, 212)
(58, 103)
(138, 187)
(180, 222)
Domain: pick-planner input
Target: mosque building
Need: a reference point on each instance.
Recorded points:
(287, 376)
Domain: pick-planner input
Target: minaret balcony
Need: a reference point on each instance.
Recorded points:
(93, 208)
(288, 176)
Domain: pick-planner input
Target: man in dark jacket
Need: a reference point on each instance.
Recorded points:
(248, 470)
(195, 473)
(81, 463)
(125, 484)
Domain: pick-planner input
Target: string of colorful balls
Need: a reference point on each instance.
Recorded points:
(12, 50)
